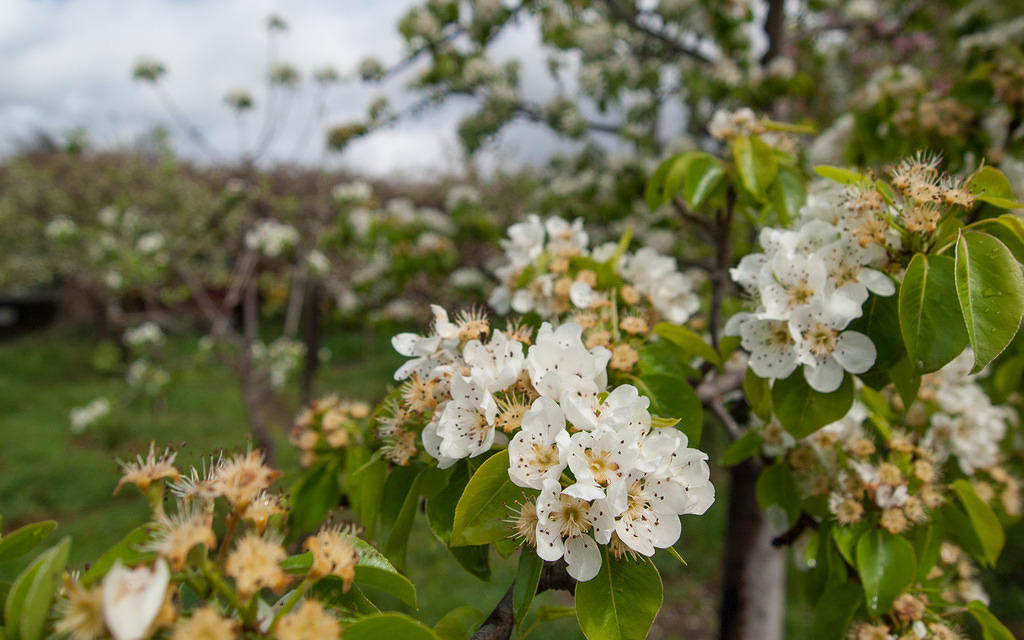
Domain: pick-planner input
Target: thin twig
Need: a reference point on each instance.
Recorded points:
(734, 430)
(502, 621)
(631, 20)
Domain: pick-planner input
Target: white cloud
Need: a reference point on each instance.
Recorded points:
(68, 64)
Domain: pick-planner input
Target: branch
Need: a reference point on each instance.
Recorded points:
(775, 29)
(731, 426)
(631, 19)
(501, 622)
(803, 523)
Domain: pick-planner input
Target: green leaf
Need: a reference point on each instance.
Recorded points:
(527, 579)
(990, 181)
(788, 195)
(846, 537)
(745, 446)
(990, 287)
(458, 624)
(838, 174)
(372, 477)
(777, 492)
(21, 541)
(388, 581)
(887, 566)
(963, 532)
(835, 610)
(32, 592)
(398, 537)
(396, 488)
(802, 410)
(759, 394)
(441, 506)
(672, 396)
(481, 511)
(991, 628)
(1009, 229)
(1000, 203)
(906, 379)
(621, 601)
(315, 494)
(688, 341)
(664, 357)
(930, 318)
(547, 613)
(654, 192)
(881, 322)
(388, 625)
(657, 422)
(927, 544)
(703, 176)
(984, 520)
(127, 551)
(755, 163)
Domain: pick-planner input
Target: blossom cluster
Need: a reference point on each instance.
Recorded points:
(271, 238)
(605, 475)
(807, 287)
(328, 423)
(81, 418)
(243, 565)
(550, 270)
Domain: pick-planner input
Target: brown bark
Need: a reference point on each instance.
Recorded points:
(754, 573)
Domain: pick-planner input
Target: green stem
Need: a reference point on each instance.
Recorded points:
(292, 600)
(229, 532)
(212, 574)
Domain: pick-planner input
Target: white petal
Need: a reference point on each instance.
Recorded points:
(132, 598)
(855, 351)
(877, 282)
(583, 557)
(826, 377)
(665, 530)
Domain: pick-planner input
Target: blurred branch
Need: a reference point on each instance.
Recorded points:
(775, 29)
(501, 622)
(632, 19)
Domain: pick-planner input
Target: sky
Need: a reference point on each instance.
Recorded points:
(68, 65)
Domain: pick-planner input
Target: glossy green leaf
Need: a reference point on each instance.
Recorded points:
(372, 477)
(887, 566)
(990, 287)
(930, 318)
(927, 544)
(32, 592)
(654, 192)
(1009, 229)
(621, 601)
(756, 164)
(688, 341)
(838, 174)
(990, 181)
(484, 506)
(881, 322)
(846, 538)
(744, 447)
(20, 541)
(398, 537)
(676, 176)
(802, 410)
(758, 392)
(703, 177)
(313, 496)
(1000, 203)
(388, 581)
(388, 625)
(672, 397)
(984, 520)
(458, 624)
(835, 610)
(127, 551)
(906, 379)
(991, 627)
(527, 579)
(788, 195)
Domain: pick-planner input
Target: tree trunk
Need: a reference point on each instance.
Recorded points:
(255, 389)
(312, 339)
(754, 578)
